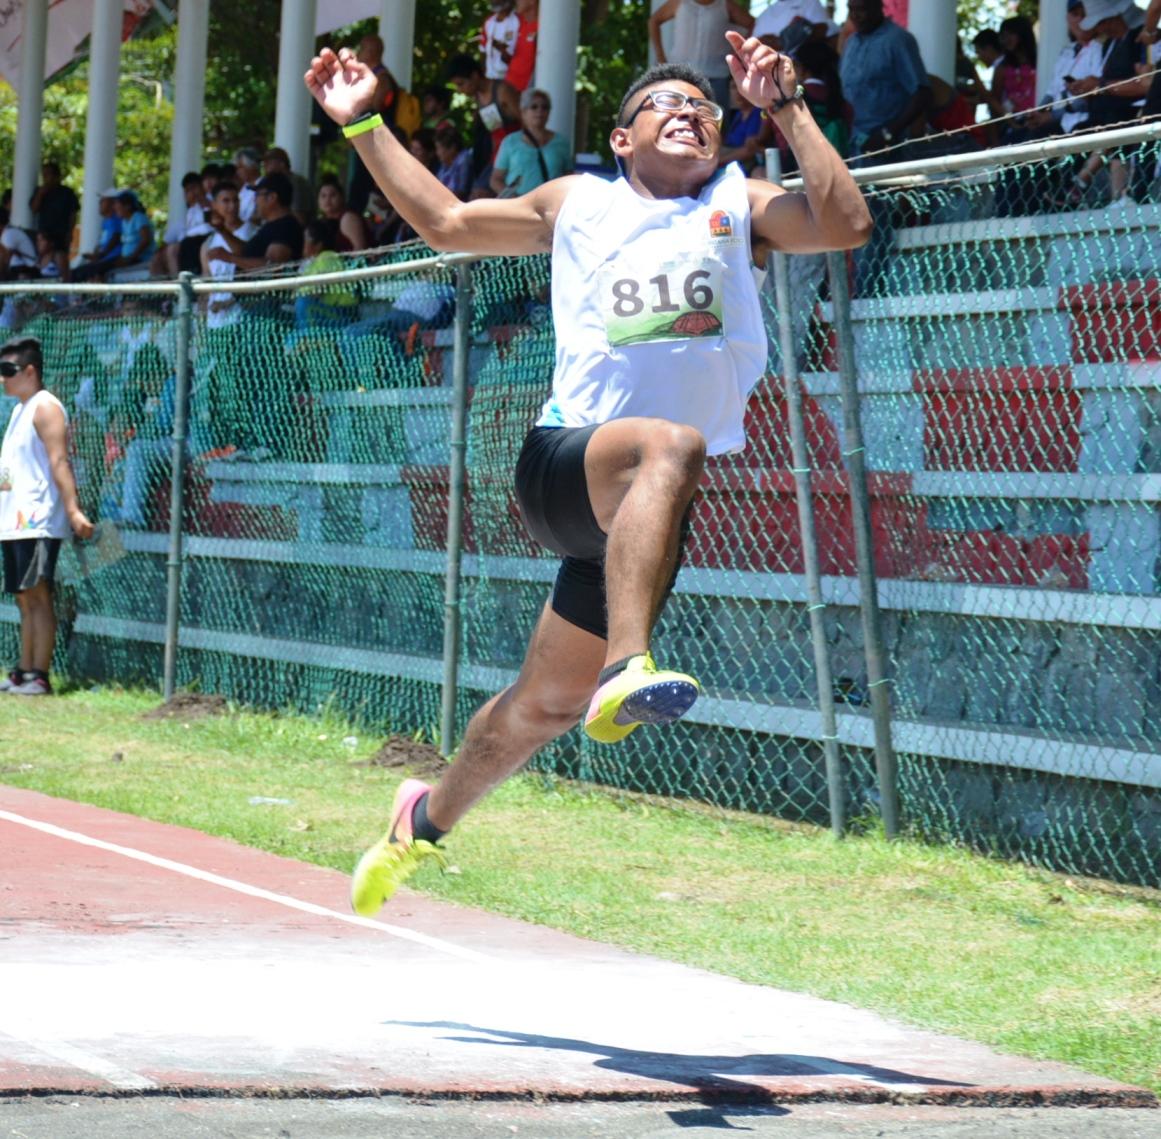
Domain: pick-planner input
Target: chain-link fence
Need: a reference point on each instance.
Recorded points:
(986, 407)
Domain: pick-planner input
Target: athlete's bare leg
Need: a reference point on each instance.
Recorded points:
(548, 698)
(642, 475)
(37, 627)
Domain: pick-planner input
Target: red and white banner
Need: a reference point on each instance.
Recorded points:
(69, 25)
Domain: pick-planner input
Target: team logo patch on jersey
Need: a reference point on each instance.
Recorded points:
(720, 224)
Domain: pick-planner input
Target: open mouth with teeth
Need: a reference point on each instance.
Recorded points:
(684, 132)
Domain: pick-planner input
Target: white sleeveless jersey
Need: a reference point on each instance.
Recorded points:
(30, 504)
(656, 308)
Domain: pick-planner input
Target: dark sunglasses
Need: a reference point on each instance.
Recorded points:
(9, 369)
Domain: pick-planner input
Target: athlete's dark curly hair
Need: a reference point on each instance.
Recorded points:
(682, 72)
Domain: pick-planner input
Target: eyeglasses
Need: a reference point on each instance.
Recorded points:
(672, 102)
(9, 369)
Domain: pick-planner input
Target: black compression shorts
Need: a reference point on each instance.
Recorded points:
(554, 501)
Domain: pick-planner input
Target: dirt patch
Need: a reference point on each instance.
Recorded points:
(420, 759)
(189, 706)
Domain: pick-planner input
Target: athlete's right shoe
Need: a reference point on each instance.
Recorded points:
(395, 857)
(641, 693)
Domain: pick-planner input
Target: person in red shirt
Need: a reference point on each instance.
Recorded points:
(523, 63)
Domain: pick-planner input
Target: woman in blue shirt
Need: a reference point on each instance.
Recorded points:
(137, 242)
(532, 155)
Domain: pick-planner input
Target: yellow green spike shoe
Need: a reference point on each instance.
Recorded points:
(640, 693)
(395, 857)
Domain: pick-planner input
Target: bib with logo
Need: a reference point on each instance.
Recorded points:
(656, 308)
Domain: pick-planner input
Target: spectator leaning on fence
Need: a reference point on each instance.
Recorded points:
(38, 509)
(660, 339)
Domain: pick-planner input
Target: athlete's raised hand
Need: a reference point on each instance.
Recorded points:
(343, 86)
(764, 76)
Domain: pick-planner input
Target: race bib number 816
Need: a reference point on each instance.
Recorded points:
(677, 303)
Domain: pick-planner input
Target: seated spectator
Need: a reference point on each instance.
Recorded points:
(248, 163)
(533, 156)
(222, 309)
(333, 305)
(817, 66)
(742, 138)
(419, 305)
(1124, 83)
(279, 238)
(98, 261)
(436, 105)
(185, 235)
(350, 229)
(1013, 88)
(455, 163)
(137, 244)
(277, 161)
(497, 107)
(17, 250)
(422, 147)
(699, 32)
(383, 220)
(52, 262)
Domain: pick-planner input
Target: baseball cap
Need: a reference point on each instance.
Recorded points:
(794, 35)
(1097, 10)
(111, 192)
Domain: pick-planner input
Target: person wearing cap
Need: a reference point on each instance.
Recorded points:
(99, 260)
(1112, 98)
(279, 238)
(302, 203)
(38, 509)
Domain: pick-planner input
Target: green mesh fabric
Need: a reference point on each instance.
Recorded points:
(1009, 370)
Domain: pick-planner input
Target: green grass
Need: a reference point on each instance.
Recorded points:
(1024, 960)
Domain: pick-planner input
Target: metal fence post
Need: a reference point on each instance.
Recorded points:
(854, 455)
(457, 493)
(800, 456)
(185, 302)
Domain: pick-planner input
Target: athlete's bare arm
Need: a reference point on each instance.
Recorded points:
(344, 88)
(49, 423)
(830, 213)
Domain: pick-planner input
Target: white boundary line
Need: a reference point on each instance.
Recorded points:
(243, 888)
(78, 1058)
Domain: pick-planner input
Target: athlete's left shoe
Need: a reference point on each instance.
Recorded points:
(641, 693)
(395, 857)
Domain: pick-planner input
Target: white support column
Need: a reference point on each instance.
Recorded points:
(101, 126)
(397, 30)
(189, 98)
(934, 28)
(293, 103)
(30, 101)
(556, 48)
(1051, 38)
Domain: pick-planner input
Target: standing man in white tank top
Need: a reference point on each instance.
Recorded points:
(699, 26)
(38, 507)
(659, 342)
